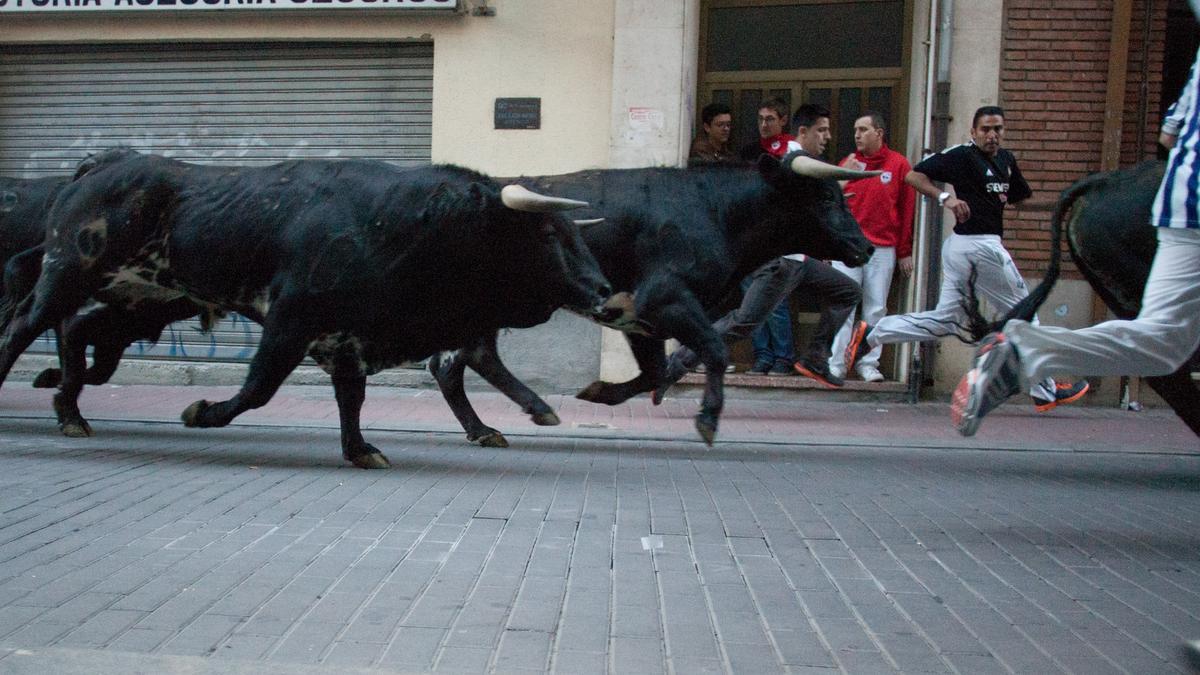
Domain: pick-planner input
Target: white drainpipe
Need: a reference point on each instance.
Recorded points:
(937, 69)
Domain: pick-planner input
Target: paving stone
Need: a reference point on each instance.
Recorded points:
(810, 559)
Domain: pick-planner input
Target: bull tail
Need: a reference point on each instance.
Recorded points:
(977, 326)
(20, 277)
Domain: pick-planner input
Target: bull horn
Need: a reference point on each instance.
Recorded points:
(519, 198)
(815, 168)
(589, 221)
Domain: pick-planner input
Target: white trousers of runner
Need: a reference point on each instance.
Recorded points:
(875, 278)
(1162, 338)
(997, 280)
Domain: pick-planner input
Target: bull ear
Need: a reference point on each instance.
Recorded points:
(480, 195)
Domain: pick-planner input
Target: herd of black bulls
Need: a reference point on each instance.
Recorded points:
(363, 266)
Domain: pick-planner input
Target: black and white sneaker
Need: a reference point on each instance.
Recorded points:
(995, 375)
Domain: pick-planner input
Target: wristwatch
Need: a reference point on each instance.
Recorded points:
(942, 199)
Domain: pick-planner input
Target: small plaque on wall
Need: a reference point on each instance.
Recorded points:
(518, 113)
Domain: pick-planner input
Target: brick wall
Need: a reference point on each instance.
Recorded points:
(1053, 85)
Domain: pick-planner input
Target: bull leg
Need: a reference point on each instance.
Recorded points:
(447, 368)
(105, 359)
(58, 294)
(282, 347)
(688, 323)
(106, 356)
(351, 391)
(484, 359)
(72, 357)
(1178, 390)
(680, 315)
(111, 330)
(648, 352)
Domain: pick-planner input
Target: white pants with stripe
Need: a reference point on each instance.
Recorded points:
(997, 280)
(1162, 337)
(876, 280)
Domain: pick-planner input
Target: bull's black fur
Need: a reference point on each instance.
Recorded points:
(359, 264)
(1108, 230)
(679, 240)
(108, 329)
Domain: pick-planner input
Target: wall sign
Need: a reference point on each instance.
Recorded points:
(518, 113)
(81, 6)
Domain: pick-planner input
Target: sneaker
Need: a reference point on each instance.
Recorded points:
(700, 369)
(1065, 392)
(782, 368)
(1191, 651)
(760, 368)
(858, 346)
(994, 376)
(820, 372)
(870, 374)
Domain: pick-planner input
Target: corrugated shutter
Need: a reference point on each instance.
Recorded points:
(220, 103)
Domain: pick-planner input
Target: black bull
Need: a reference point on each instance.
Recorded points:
(675, 243)
(24, 205)
(359, 264)
(1107, 222)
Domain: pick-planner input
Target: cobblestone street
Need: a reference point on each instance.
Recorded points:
(255, 548)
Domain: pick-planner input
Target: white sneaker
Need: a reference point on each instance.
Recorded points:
(870, 374)
(839, 373)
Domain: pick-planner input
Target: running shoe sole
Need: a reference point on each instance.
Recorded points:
(850, 356)
(963, 406)
(1051, 405)
(815, 376)
(967, 399)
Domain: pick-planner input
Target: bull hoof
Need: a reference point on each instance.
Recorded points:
(707, 429)
(657, 396)
(492, 440)
(80, 429)
(606, 393)
(592, 392)
(371, 460)
(547, 419)
(191, 414)
(48, 379)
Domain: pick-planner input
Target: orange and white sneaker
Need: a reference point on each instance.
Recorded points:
(1064, 393)
(858, 346)
(995, 375)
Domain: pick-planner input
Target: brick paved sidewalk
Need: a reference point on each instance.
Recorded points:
(813, 538)
(791, 418)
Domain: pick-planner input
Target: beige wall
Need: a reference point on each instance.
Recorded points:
(559, 51)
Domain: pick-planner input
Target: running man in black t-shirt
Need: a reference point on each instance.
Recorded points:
(985, 178)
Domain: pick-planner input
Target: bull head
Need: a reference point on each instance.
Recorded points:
(812, 167)
(519, 198)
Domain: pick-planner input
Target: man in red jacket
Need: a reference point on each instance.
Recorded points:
(883, 206)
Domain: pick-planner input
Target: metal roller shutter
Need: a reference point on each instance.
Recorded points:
(220, 103)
